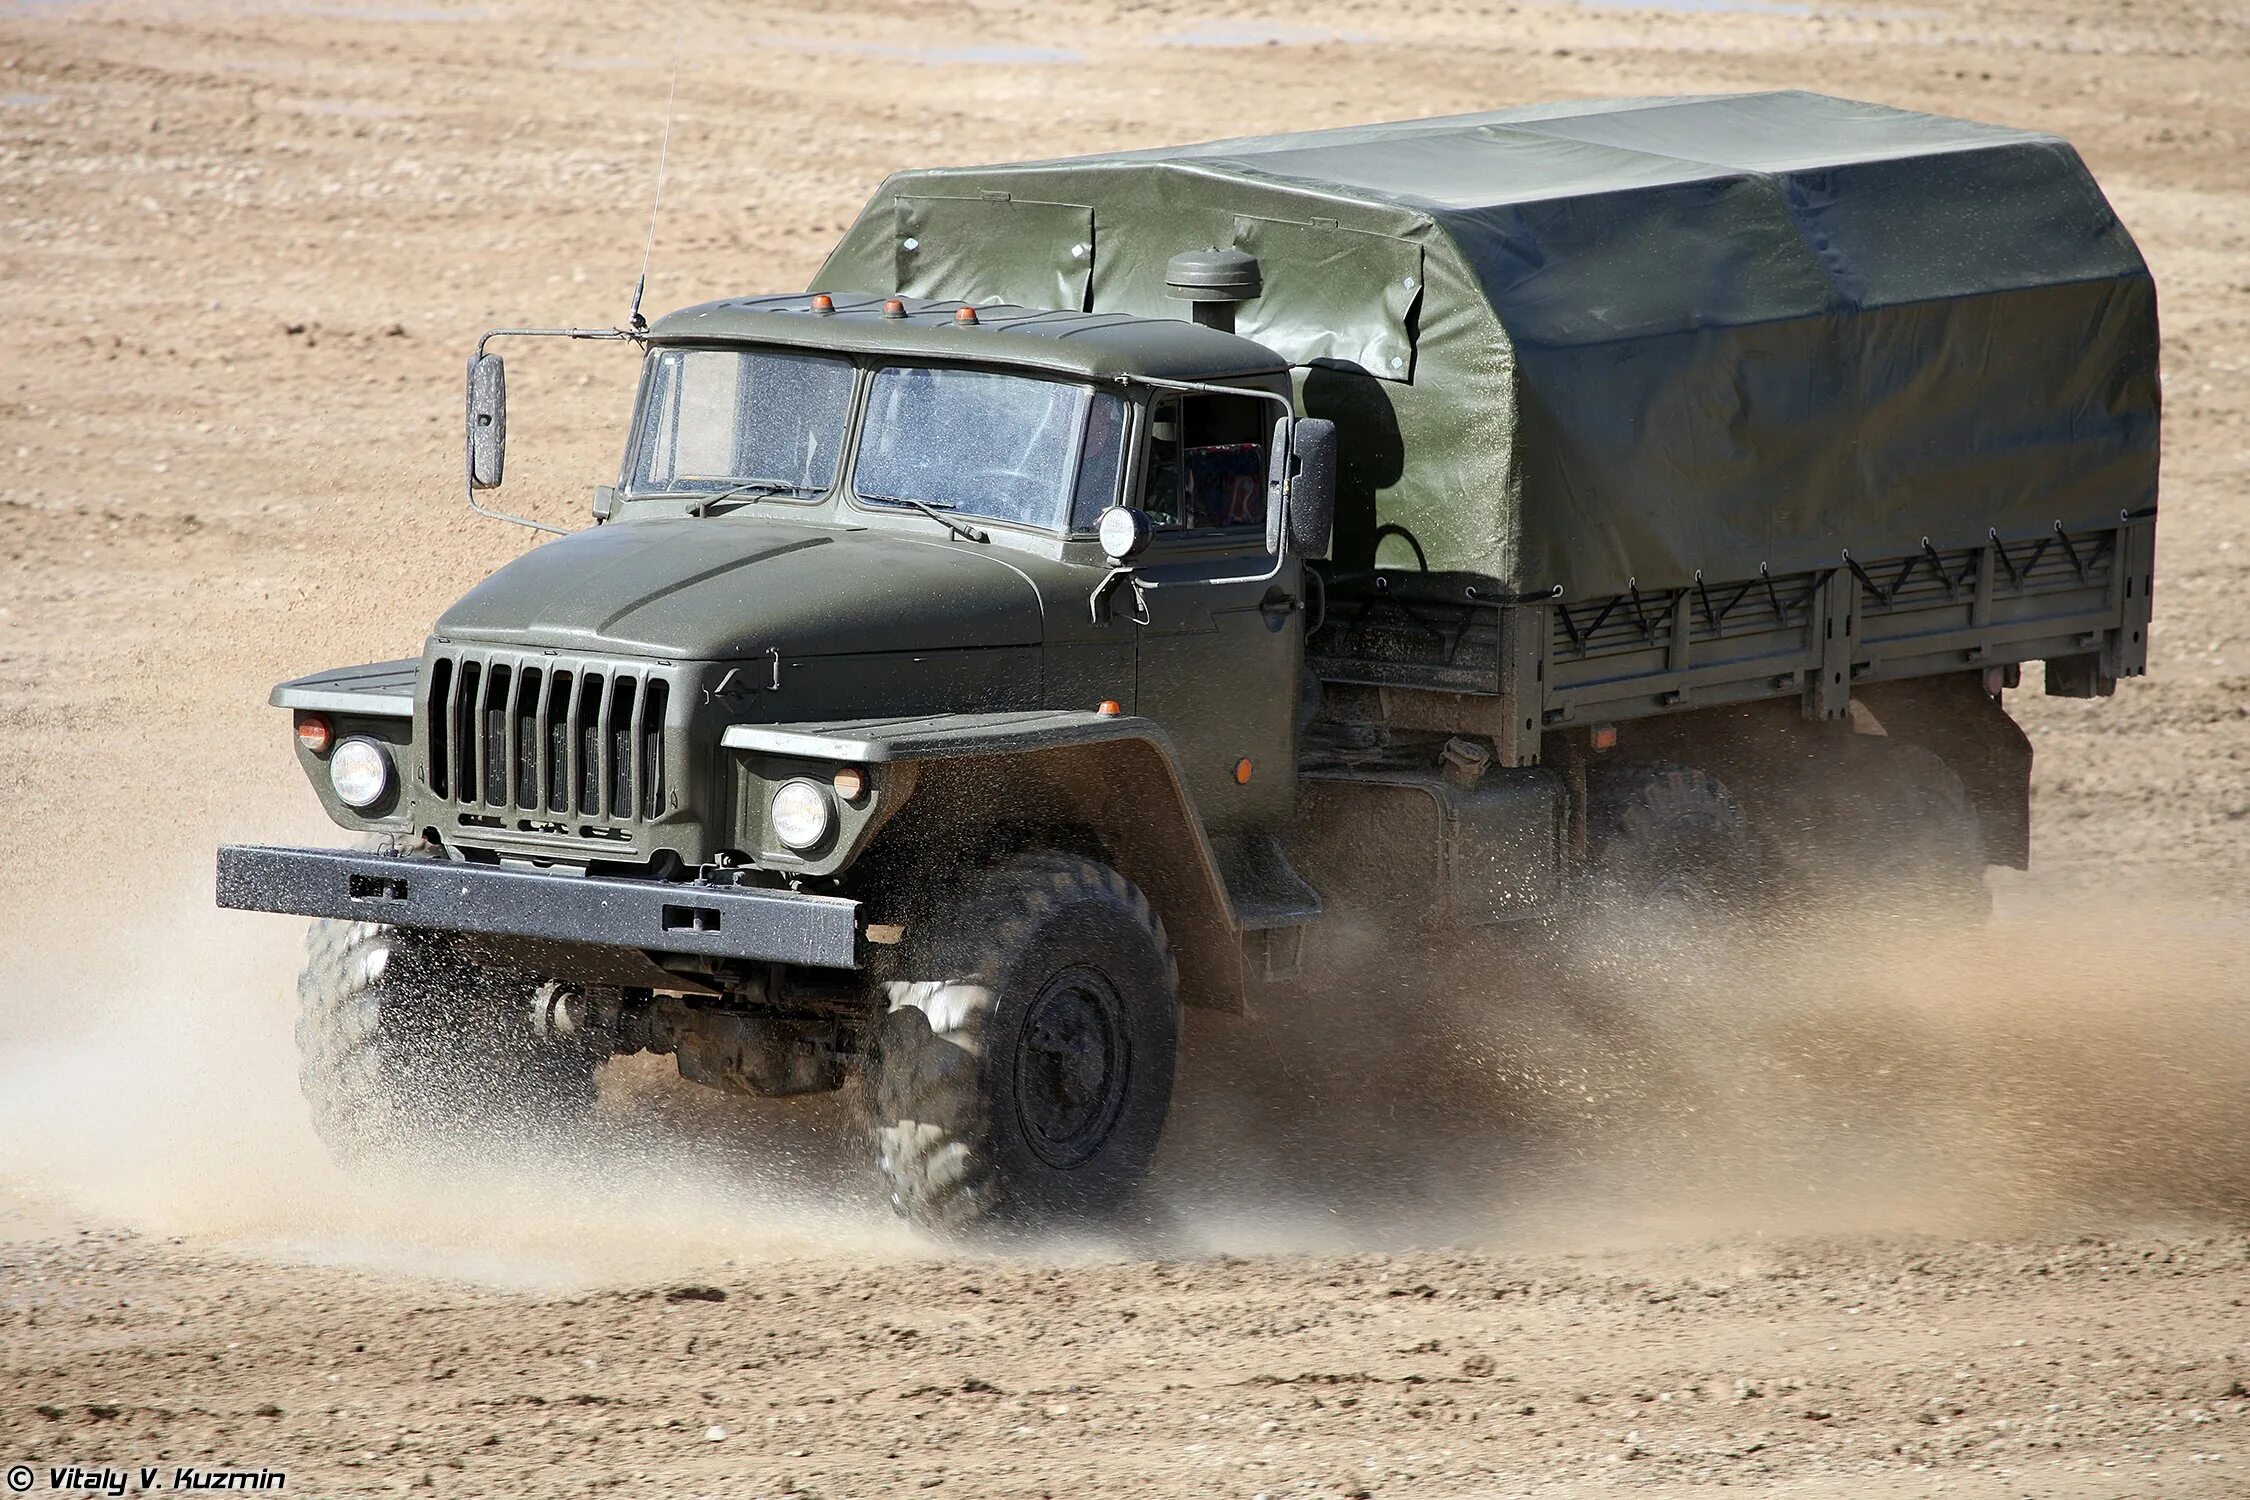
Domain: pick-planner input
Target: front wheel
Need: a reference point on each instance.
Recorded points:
(1024, 1068)
(409, 1051)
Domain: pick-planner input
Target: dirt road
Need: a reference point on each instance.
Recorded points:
(1923, 1213)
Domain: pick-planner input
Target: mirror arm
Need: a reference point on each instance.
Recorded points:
(1110, 580)
(468, 474)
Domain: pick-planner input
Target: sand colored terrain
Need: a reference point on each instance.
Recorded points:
(1840, 1211)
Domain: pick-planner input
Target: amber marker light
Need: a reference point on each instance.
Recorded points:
(966, 316)
(315, 733)
(1605, 736)
(1242, 771)
(823, 303)
(1109, 708)
(893, 308)
(850, 782)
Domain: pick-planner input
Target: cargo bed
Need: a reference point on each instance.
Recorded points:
(2076, 599)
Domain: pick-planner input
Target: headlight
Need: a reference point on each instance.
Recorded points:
(360, 771)
(802, 814)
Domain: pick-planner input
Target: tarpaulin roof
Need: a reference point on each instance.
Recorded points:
(1582, 344)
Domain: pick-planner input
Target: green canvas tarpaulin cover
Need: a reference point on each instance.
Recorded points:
(1579, 345)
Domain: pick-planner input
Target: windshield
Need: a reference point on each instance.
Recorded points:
(721, 418)
(1005, 447)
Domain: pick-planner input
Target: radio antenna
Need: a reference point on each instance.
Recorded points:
(635, 322)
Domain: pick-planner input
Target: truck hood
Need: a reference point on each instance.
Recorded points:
(718, 588)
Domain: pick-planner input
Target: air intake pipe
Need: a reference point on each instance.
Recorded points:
(1213, 281)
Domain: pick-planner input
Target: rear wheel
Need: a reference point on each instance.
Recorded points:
(409, 1051)
(1884, 823)
(1662, 837)
(1024, 1069)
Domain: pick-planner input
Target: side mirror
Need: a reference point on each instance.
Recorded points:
(488, 422)
(1277, 484)
(1124, 533)
(1312, 495)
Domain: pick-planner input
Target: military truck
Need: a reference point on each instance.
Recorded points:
(1116, 570)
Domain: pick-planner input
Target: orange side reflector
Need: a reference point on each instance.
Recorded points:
(314, 734)
(1605, 736)
(1109, 708)
(1242, 771)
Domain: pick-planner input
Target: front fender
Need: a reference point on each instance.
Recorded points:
(1115, 775)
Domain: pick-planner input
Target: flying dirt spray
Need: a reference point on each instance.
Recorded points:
(1809, 1081)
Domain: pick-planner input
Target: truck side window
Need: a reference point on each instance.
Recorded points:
(1099, 454)
(1206, 463)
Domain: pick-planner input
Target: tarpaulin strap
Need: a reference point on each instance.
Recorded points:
(2000, 549)
(1570, 628)
(1494, 601)
(2036, 553)
(1937, 566)
(1601, 618)
(1580, 638)
(1906, 568)
(1647, 626)
(1866, 582)
(1772, 597)
(1717, 620)
(2070, 552)
(1468, 623)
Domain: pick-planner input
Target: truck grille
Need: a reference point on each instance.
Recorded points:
(546, 736)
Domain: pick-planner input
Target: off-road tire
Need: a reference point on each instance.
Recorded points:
(1024, 1067)
(407, 1052)
(1659, 833)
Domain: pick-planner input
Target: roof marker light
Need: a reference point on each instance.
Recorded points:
(966, 316)
(894, 307)
(823, 303)
(1109, 708)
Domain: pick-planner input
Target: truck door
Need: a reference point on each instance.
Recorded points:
(1223, 645)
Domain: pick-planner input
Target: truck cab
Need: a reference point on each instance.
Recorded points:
(890, 593)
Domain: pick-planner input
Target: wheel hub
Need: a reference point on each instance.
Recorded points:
(1071, 1067)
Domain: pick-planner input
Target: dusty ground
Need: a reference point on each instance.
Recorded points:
(1926, 1214)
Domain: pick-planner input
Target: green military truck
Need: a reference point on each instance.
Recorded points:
(1152, 580)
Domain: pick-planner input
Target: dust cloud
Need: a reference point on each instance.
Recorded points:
(2080, 1064)
(151, 1085)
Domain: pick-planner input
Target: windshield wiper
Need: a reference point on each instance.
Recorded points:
(935, 512)
(751, 490)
